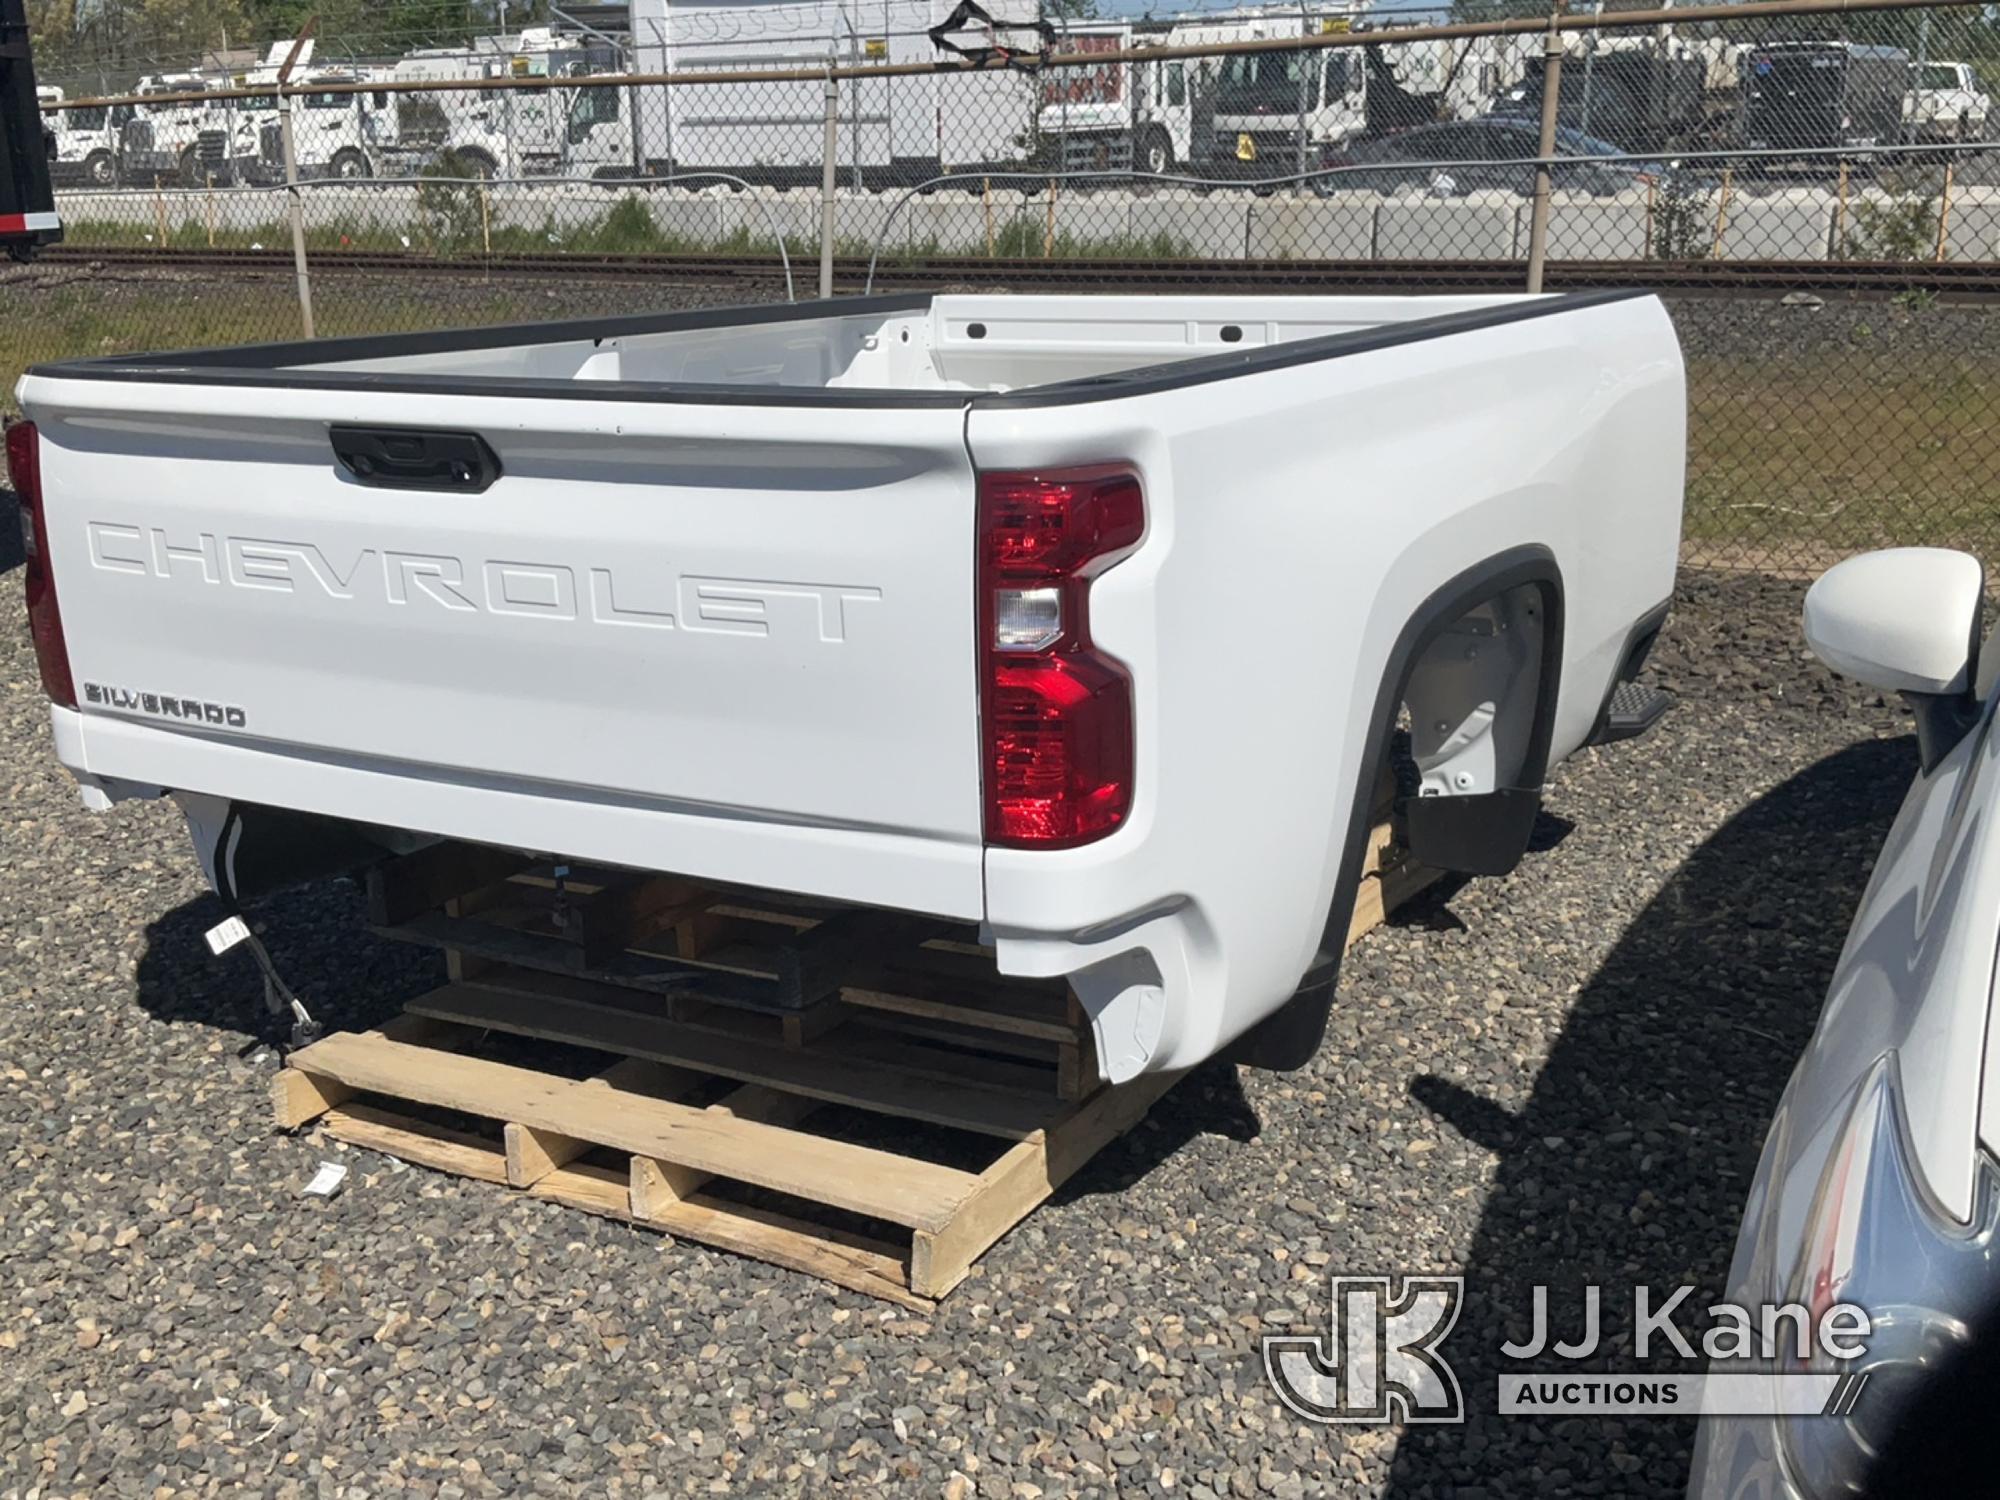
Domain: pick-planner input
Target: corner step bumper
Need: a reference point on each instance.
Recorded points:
(1631, 710)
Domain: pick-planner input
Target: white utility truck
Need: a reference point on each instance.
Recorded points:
(1277, 112)
(911, 125)
(87, 139)
(183, 139)
(1089, 620)
(348, 136)
(1946, 103)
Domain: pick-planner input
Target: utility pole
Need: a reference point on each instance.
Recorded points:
(1589, 67)
(292, 175)
(829, 159)
(1538, 225)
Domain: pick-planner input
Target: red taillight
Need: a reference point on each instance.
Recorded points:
(1057, 711)
(24, 469)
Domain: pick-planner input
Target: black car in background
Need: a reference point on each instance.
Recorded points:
(1823, 95)
(1486, 155)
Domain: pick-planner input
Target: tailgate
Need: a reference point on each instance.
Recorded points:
(759, 613)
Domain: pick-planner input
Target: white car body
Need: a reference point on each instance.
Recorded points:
(1878, 1183)
(1945, 103)
(718, 615)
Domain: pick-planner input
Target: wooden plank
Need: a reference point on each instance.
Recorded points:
(911, 1053)
(860, 1264)
(1008, 1191)
(407, 886)
(829, 951)
(428, 1145)
(743, 979)
(627, 913)
(655, 1183)
(701, 933)
(917, 1194)
(574, 1012)
(953, 963)
(810, 1024)
(653, 1187)
(1029, 1171)
(1381, 839)
(298, 1097)
(463, 966)
(1076, 1063)
(1382, 893)
(532, 1154)
(989, 1007)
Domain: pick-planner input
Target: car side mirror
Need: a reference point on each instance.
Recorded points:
(1906, 620)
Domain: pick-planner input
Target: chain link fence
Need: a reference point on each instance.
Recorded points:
(1816, 194)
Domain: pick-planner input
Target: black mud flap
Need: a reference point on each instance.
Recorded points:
(1485, 834)
(1287, 1040)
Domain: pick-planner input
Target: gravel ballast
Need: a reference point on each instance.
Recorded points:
(1562, 1075)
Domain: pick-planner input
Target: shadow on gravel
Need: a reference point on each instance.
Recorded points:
(318, 940)
(1629, 1164)
(1209, 1101)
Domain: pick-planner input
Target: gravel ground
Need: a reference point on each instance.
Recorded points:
(1562, 1075)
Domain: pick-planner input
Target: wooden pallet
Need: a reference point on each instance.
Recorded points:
(695, 1119)
(747, 964)
(655, 933)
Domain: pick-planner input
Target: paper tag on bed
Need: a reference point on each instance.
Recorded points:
(226, 934)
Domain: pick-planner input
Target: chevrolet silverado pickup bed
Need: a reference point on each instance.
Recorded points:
(1087, 619)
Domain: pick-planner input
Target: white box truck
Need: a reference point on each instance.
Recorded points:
(914, 125)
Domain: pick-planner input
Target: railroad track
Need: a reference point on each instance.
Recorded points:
(1954, 280)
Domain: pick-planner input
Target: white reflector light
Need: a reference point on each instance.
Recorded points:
(1026, 619)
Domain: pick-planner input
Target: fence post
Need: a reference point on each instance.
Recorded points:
(1538, 224)
(297, 209)
(1944, 207)
(297, 214)
(1310, 66)
(828, 161)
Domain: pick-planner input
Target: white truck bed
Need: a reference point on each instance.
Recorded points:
(703, 593)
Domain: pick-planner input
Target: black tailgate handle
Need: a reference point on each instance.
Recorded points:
(405, 458)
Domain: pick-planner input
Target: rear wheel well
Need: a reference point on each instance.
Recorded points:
(1472, 696)
(1508, 610)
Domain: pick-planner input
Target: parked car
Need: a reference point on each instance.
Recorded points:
(1496, 153)
(1879, 1184)
(695, 593)
(1946, 104)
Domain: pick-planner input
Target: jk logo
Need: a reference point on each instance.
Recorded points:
(1380, 1362)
